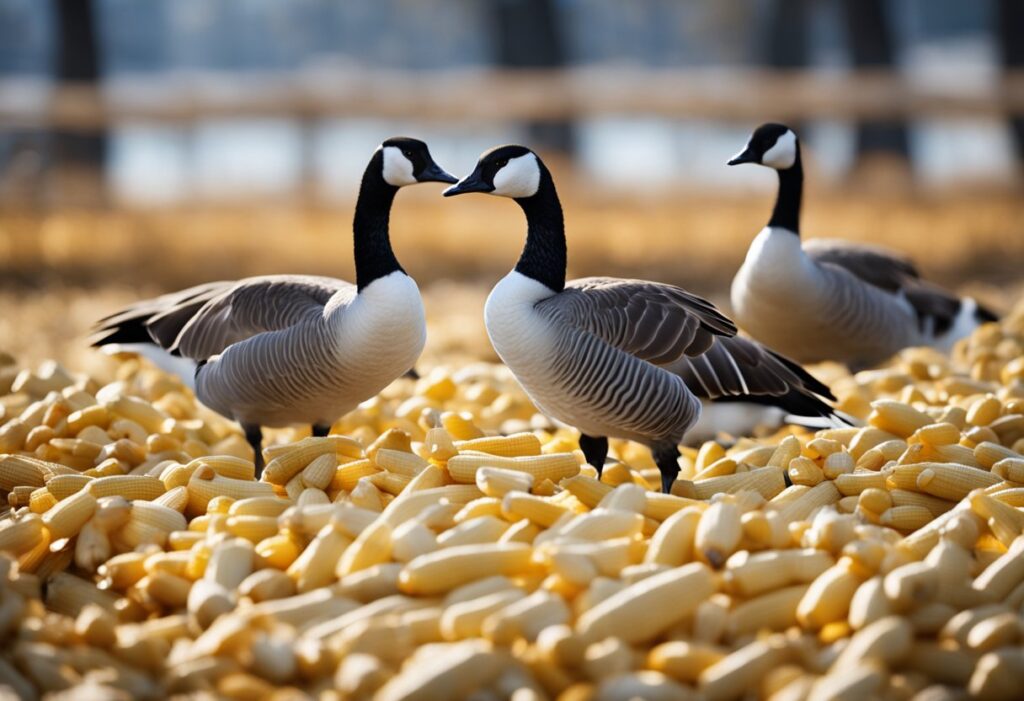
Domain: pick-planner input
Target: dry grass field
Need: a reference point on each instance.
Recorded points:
(61, 271)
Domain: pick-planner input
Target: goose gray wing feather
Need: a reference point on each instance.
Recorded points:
(895, 273)
(254, 306)
(655, 322)
(874, 265)
(742, 369)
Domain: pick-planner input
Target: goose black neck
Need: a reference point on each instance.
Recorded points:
(544, 255)
(372, 243)
(787, 205)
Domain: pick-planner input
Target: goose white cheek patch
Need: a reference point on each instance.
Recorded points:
(783, 154)
(520, 178)
(397, 168)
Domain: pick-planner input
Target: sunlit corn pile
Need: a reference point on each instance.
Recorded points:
(418, 554)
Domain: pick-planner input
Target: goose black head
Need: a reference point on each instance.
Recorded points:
(407, 161)
(772, 145)
(506, 171)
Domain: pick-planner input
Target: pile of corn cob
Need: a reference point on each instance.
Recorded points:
(417, 554)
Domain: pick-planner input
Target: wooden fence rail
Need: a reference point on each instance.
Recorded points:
(722, 94)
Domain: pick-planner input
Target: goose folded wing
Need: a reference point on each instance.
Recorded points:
(251, 307)
(655, 322)
(892, 272)
(138, 322)
(740, 367)
(874, 265)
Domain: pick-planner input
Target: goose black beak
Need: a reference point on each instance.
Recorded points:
(434, 173)
(471, 183)
(745, 156)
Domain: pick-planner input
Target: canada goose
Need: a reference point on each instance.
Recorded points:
(612, 357)
(830, 299)
(286, 349)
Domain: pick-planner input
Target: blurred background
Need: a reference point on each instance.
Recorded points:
(148, 146)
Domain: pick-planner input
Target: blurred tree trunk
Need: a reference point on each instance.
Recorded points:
(871, 48)
(1010, 30)
(78, 155)
(526, 34)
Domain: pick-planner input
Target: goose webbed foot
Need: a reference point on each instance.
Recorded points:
(254, 437)
(667, 459)
(321, 430)
(595, 450)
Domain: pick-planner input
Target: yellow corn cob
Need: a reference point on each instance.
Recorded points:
(259, 506)
(538, 510)
(828, 598)
(124, 570)
(754, 457)
(252, 528)
(496, 482)
(20, 536)
(1013, 497)
(951, 481)
(95, 415)
(311, 496)
(68, 595)
(17, 470)
(1003, 574)
(515, 445)
(226, 466)
(139, 411)
(587, 489)
(392, 439)
(67, 517)
(955, 453)
(1005, 521)
(141, 487)
(787, 449)
(672, 543)
(366, 496)
(315, 566)
(766, 481)
(405, 464)
(348, 475)
(442, 571)
(836, 464)
(553, 466)
(176, 499)
(752, 574)
(903, 497)
(204, 486)
(908, 517)
(525, 618)
(804, 471)
(484, 506)
(438, 443)
(853, 483)
(389, 482)
(719, 468)
(875, 500)
(984, 411)
(371, 547)
(278, 551)
(643, 610)
(219, 505)
(21, 496)
(288, 463)
(718, 532)
(817, 496)
(904, 476)
(461, 427)
(40, 500)
(897, 418)
(63, 486)
(683, 661)
(1009, 469)
(319, 473)
(410, 540)
(466, 618)
(774, 610)
(482, 529)
(938, 434)
(166, 589)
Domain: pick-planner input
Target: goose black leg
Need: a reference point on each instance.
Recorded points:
(254, 436)
(412, 374)
(321, 430)
(666, 456)
(595, 450)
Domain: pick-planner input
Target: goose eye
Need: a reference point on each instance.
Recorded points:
(407, 153)
(501, 163)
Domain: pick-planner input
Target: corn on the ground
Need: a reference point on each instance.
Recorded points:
(435, 547)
